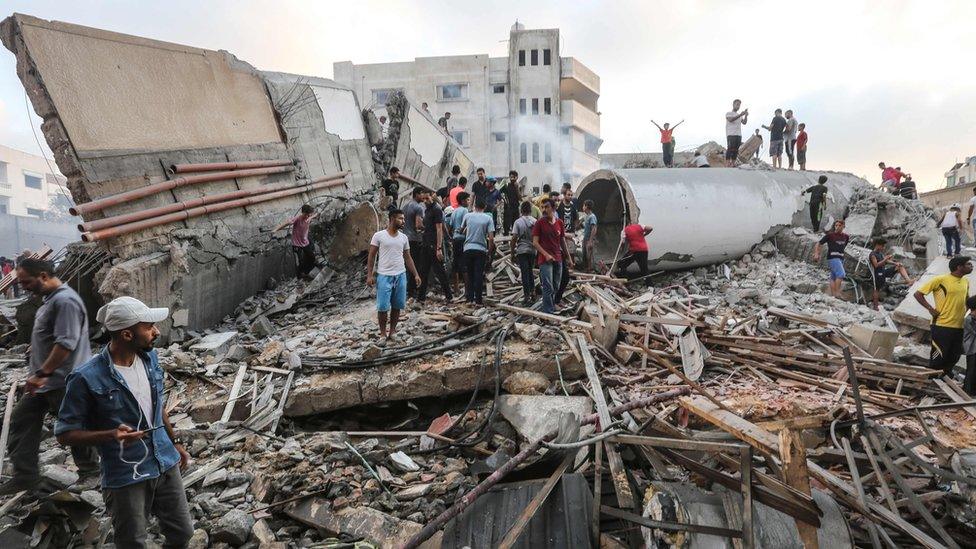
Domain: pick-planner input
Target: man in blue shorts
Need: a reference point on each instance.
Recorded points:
(836, 241)
(393, 249)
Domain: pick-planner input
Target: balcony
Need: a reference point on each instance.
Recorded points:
(579, 83)
(575, 114)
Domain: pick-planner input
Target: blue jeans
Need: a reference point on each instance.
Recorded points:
(550, 273)
(474, 266)
(951, 236)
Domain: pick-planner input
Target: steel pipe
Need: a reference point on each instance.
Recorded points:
(220, 166)
(183, 215)
(156, 188)
(195, 202)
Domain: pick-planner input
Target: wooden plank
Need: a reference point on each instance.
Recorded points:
(668, 526)
(748, 535)
(953, 395)
(281, 402)
(734, 424)
(625, 496)
(232, 398)
(518, 527)
(861, 497)
(597, 494)
(544, 316)
(7, 413)
(793, 454)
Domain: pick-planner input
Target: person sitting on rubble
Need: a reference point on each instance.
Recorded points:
(950, 223)
(950, 290)
(700, 160)
(389, 257)
(300, 244)
(884, 268)
(442, 122)
(836, 242)
(969, 347)
(115, 402)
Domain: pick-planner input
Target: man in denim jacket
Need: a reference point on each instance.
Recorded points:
(115, 402)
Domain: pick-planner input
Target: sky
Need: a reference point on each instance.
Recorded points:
(874, 81)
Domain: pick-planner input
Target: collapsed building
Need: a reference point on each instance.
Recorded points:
(727, 404)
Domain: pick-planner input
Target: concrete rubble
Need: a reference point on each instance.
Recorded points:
(725, 400)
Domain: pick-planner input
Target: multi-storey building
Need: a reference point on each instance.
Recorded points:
(962, 173)
(27, 186)
(533, 111)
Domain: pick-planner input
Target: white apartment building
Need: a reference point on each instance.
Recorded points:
(533, 111)
(962, 173)
(26, 183)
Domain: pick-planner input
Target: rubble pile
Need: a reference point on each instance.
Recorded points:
(740, 385)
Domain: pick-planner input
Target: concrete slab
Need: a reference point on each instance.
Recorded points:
(386, 531)
(909, 312)
(215, 344)
(877, 340)
(535, 416)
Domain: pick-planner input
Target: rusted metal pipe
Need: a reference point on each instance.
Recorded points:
(120, 230)
(195, 202)
(155, 188)
(467, 499)
(220, 166)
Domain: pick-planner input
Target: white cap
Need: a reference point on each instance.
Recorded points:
(126, 312)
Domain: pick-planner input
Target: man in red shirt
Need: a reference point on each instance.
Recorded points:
(890, 177)
(801, 147)
(667, 142)
(634, 235)
(548, 239)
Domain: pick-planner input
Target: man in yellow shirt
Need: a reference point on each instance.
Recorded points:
(950, 292)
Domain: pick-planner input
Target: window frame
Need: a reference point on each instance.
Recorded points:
(439, 92)
(522, 106)
(535, 153)
(498, 88)
(524, 153)
(546, 57)
(465, 140)
(495, 135)
(547, 154)
(38, 177)
(37, 212)
(535, 106)
(521, 58)
(547, 105)
(534, 57)
(4, 175)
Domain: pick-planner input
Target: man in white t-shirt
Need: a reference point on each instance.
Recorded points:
(969, 216)
(733, 131)
(393, 249)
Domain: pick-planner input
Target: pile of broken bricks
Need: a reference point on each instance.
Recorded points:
(696, 409)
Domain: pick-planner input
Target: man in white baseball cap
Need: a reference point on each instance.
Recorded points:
(115, 402)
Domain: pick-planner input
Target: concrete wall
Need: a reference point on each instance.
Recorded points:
(20, 233)
(118, 110)
(942, 199)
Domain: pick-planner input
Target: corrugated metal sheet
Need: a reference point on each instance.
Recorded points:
(562, 522)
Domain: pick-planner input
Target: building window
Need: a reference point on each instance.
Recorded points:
(35, 212)
(4, 182)
(380, 97)
(461, 136)
(33, 182)
(535, 105)
(535, 57)
(547, 105)
(591, 144)
(523, 153)
(548, 152)
(498, 88)
(547, 57)
(565, 130)
(522, 106)
(4, 205)
(499, 136)
(535, 153)
(452, 92)
(521, 58)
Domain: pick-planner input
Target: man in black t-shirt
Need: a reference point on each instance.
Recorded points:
(479, 189)
(432, 254)
(391, 188)
(776, 128)
(818, 202)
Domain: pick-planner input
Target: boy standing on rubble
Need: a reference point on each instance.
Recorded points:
(776, 128)
(801, 148)
(548, 239)
(432, 257)
(951, 292)
(836, 242)
(115, 402)
(818, 202)
(413, 228)
(479, 237)
(457, 241)
(303, 248)
(589, 234)
(393, 249)
(512, 198)
(523, 251)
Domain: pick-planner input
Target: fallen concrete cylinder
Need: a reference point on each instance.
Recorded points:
(156, 188)
(704, 216)
(686, 503)
(193, 203)
(221, 166)
(120, 230)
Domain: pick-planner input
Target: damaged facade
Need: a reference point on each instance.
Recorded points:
(725, 401)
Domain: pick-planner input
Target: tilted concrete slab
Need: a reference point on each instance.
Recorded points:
(910, 312)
